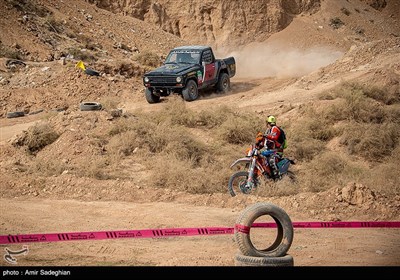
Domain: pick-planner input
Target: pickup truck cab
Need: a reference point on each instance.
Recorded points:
(186, 70)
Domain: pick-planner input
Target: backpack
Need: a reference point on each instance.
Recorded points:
(282, 138)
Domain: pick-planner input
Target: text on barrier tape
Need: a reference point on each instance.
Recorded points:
(174, 232)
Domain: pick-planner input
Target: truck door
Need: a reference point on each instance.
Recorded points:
(209, 67)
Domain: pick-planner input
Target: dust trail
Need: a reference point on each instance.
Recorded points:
(273, 60)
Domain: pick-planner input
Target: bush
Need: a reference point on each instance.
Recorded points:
(373, 142)
(355, 105)
(324, 172)
(78, 54)
(37, 137)
(148, 59)
(9, 53)
(336, 23)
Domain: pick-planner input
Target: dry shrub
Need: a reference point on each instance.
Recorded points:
(156, 136)
(211, 118)
(385, 96)
(123, 144)
(173, 140)
(326, 95)
(94, 169)
(393, 113)
(119, 126)
(284, 187)
(336, 23)
(110, 103)
(127, 69)
(177, 113)
(79, 54)
(30, 7)
(373, 142)
(185, 146)
(306, 150)
(356, 105)
(329, 164)
(179, 175)
(10, 53)
(320, 129)
(386, 176)
(147, 58)
(37, 137)
(236, 132)
(315, 182)
(314, 123)
(241, 129)
(324, 172)
(49, 167)
(53, 24)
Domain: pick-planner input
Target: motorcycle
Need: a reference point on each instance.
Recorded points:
(258, 167)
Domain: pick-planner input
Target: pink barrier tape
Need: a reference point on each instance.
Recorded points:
(146, 233)
(355, 224)
(246, 229)
(173, 232)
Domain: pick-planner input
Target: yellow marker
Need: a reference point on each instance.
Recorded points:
(80, 65)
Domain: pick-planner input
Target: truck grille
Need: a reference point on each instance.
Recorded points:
(162, 80)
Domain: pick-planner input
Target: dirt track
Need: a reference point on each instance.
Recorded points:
(310, 247)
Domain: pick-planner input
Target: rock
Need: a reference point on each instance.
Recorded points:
(356, 194)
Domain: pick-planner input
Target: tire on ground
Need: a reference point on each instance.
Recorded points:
(224, 83)
(284, 237)
(242, 260)
(15, 114)
(91, 72)
(90, 106)
(36, 112)
(190, 92)
(151, 97)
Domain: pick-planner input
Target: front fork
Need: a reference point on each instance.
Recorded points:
(250, 179)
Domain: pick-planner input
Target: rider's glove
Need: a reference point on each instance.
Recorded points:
(259, 140)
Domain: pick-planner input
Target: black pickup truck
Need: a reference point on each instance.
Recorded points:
(186, 70)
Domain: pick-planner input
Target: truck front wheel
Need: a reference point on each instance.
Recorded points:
(151, 97)
(190, 92)
(224, 83)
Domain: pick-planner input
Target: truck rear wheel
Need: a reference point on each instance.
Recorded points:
(151, 97)
(190, 92)
(224, 83)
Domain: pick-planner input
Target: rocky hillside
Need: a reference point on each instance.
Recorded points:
(233, 24)
(47, 30)
(223, 23)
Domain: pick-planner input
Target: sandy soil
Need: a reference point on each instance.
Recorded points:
(310, 247)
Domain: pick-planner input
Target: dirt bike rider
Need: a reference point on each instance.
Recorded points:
(270, 141)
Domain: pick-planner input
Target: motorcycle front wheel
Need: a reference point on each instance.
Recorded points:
(238, 184)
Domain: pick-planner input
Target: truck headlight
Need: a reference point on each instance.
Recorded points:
(146, 79)
(178, 79)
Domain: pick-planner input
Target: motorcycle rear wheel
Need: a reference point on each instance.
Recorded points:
(291, 176)
(237, 183)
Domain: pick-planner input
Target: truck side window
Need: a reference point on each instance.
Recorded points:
(207, 57)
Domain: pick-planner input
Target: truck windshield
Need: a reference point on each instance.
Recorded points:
(183, 57)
